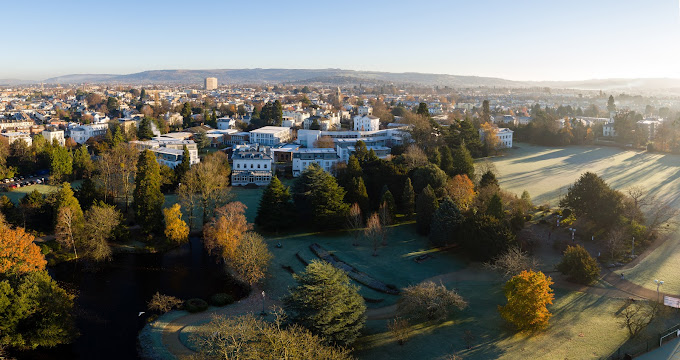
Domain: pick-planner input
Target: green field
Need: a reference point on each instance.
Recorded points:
(546, 172)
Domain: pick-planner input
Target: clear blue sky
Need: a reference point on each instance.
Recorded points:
(519, 40)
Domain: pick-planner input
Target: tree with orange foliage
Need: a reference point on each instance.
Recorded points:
(462, 191)
(491, 140)
(18, 253)
(528, 295)
(324, 142)
(223, 233)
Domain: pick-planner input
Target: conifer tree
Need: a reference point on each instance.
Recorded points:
(357, 193)
(426, 205)
(183, 167)
(408, 198)
(463, 163)
(388, 200)
(319, 199)
(446, 161)
(148, 199)
(276, 208)
(145, 132)
(445, 222)
(495, 207)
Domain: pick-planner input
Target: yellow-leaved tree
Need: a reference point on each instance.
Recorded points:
(176, 229)
(528, 295)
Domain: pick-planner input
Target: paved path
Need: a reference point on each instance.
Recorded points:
(669, 351)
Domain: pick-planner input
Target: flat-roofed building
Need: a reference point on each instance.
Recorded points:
(270, 135)
(251, 164)
(53, 134)
(210, 83)
(325, 157)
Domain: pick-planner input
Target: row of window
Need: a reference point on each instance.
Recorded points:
(245, 166)
(251, 179)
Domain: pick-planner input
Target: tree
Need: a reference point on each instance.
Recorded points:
(528, 296)
(485, 237)
(426, 205)
(35, 311)
(206, 185)
(355, 222)
(324, 142)
(148, 199)
(435, 157)
(68, 228)
(513, 262)
(488, 179)
(445, 222)
(637, 315)
(461, 190)
(275, 209)
(61, 164)
(183, 167)
(223, 233)
(249, 337)
(387, 215)
(429, 301)
(373, 232)
(100, 221)
(186, 114)
(446, 163)
(408, 198)
(163, 303)
(82, 163)
(176, 230)
(64, 197)
(251, 258)
(319, 199)
(201, 139)
(116, 172)
(486, 112)
(145, 131)
(611, 105)
(18, 253)
(491, 140)
(357, 193)
(590, 197)
(400, 329)
(463, 163)
(579, 265)
(422, 110)
(272, 114)
(428, 175)
(495, 207)
(415, 157)
(325, 302)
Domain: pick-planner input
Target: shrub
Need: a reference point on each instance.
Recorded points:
(195, 305)
(220, 299)
(579, 265)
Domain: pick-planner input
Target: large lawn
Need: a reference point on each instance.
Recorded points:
(546, 172)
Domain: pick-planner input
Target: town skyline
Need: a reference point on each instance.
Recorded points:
(522, 41)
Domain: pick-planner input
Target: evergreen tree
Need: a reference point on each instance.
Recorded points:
(357, 193)
(388, 200)
(61, 164)
(186, 115)
(82, 163)
(183, 167)
(145, 131)
(361, 152)
(579, 265)
(64, 197)
(142, 95)
(488, 179)
(148, 199)
(446, 163)
(423, 110)
(495, 207)
(426, 205)
(486, 112)
(275, 207)
(327, 303)
(445, 222)
(435, 157)
(463, 163)
(318, 198)
(408, 198)
(429, 175)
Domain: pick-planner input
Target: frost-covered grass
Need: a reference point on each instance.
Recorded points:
(547, 172)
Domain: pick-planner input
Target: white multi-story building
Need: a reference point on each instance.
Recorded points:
(302, 158)
(364, 110)
(345, 152)
(270, 135)
(504, 136)
(16, 125)
(52, 134)
(366, 123)
(210, 83)
(82, 133)
(13, 136)
(386, 137)
(225, 123)
(169, 151)
(252, 164)
(297, 116)
(608, 130)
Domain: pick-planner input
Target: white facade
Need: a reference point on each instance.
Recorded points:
(169, 151)
(82, 133)
(225, 123)
(51, 135)
(386, 137)
(505, 137)
(252, 165)
(270, 135)
(364, 110)
(13, 125)
(608, 130)
(366, 123)
(14, 136)
(344, 153)
(302, 158)
(210, 83)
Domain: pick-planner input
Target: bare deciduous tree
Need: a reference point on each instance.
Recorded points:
(513, 262)
(385, 222)
(66, 229)
(354, 223)
(414, 157)
(400, 329)
(637, 315)
(429, 301)
(373, 232)
(615, 242)
(163, 303)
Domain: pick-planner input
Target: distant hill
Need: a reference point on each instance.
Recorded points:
(14, 82)
(344, 77)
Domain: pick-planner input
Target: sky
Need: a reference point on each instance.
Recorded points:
(511, 39)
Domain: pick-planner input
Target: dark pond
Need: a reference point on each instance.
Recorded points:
(110, 299)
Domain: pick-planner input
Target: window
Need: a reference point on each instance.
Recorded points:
(265, 166)
(258, 166)
(238, 166)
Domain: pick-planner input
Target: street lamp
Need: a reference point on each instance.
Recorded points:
(263, 313)
(558, 220)
(632, 249)
(573, 230)
(658, 283)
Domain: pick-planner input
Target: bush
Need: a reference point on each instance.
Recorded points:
(579, 265)
(195, 305)
(220, 299)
